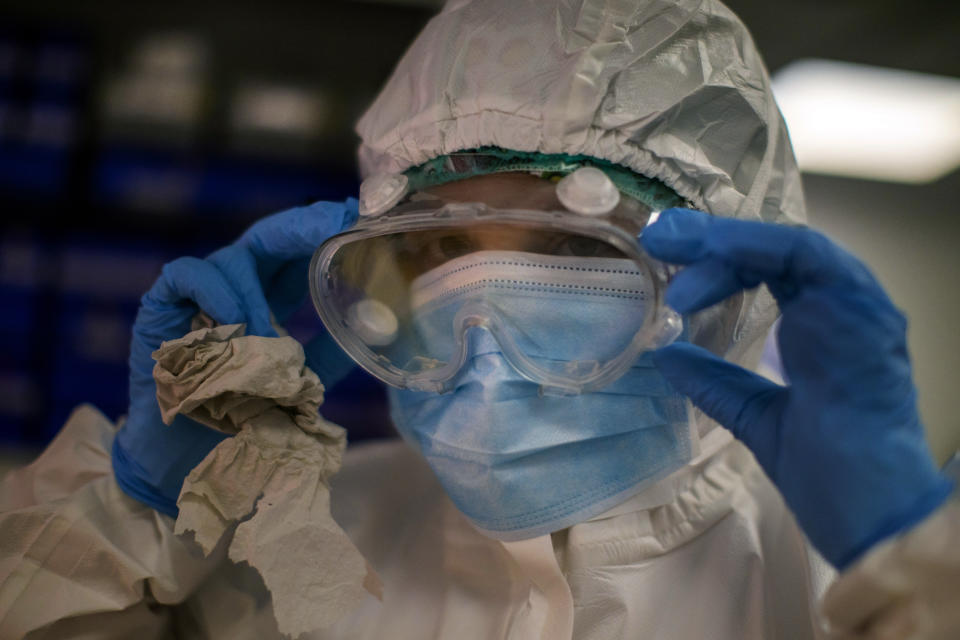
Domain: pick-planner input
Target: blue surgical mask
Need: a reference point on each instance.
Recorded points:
(520, 463)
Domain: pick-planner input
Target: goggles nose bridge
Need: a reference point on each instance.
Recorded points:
(477, 329)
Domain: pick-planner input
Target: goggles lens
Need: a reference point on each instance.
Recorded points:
(567, 308)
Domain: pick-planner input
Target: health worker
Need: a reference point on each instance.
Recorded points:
(578, 223)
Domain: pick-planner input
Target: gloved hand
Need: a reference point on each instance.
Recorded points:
(843, 442)
(264, 270)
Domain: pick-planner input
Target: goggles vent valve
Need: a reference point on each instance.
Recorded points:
(589, 192)
(381, 192)
(373, 322)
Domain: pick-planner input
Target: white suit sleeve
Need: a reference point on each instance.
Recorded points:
(907, 588)
(78, 557)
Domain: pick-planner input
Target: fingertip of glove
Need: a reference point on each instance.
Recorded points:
(351, 213)
(675, 217)
(683, 363)
(261, 329)
(676, 236)
(679, 300)
(672, 358)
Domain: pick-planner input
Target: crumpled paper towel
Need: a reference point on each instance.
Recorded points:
(271, 477)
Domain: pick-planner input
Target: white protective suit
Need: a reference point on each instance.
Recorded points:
(673, 89)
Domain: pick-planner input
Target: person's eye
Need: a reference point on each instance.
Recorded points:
(582, 247)
(450, 247)
(438, 250)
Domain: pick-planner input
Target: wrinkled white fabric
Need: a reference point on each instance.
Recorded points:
(714, 538)
(671, 89)
(79, 555)
(709, 552)
(907, 588)
(267, 485)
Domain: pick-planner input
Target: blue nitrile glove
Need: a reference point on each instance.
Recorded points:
(265, 270)
(843, 442)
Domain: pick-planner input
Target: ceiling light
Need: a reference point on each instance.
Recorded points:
(869, 122)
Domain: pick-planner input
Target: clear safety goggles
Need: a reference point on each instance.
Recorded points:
(569, 298)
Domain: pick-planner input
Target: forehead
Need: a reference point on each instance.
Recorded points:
(501, 190)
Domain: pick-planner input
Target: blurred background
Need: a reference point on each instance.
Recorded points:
(134, 133)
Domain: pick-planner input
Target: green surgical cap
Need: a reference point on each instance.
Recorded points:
(488, 160)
